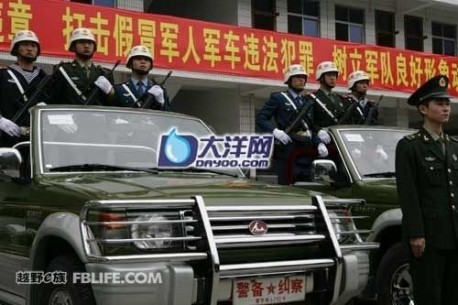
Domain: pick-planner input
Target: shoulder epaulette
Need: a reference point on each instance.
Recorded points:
(453, 139)
(413, 136)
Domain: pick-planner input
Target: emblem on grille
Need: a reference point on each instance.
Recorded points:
(257, 227)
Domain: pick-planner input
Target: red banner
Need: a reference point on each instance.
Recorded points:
(193, 45)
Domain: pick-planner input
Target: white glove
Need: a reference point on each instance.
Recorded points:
(281, 136)
(324, 136)
(104, 84)
(158, 93)
(9, 127)
(68, 127)
(322, 151)
(356, 153)
(381, 153)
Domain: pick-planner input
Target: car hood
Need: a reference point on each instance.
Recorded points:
(221, 190)
(377, 190)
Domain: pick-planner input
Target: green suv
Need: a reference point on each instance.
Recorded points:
(364, 157)
(88, 217)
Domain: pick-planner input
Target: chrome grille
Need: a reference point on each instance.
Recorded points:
(285, 225)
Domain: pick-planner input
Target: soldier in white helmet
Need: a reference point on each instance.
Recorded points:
(18, 82)
(74, 80)
(358, 83)
(333, 105)
(139, 91)
(284, 107)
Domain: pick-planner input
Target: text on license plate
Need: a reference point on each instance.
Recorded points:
(269, 290)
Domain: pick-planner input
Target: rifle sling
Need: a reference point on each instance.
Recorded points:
(132, 95)
(295, 108)
(18, 84)
(71, 83)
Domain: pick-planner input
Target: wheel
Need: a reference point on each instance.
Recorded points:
(69, 293)
(394, 282)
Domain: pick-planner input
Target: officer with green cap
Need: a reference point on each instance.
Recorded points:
(427, 182)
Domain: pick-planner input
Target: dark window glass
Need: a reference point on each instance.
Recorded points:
(312, 8)
(449, 47)
(304, 17)
(262, 5)
(341, 32)
(263, 14)
(384, 29)
(264, 22)
(437, 46)
(413, 28)
(341, 13)
(295, 6)
(82, 1)
(349, 24)
(294, 25)
(356, 16)
(444, 38)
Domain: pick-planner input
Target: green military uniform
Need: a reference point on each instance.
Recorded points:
(63, 91)
(427, 181)
(334, 102)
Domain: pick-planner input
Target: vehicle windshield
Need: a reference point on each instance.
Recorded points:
(108, 140)
(372, 151)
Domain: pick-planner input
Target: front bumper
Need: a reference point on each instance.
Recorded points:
(354, 276)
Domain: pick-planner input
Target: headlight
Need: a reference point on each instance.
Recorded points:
(157, 231)
(341, 224)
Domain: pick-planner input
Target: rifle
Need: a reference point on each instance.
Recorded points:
(350, 109)
(298, 118)
(372, 111)
(32, 100)
(149, 97)
(323, 106)
(95, 90)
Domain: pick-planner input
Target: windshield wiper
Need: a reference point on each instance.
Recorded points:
(196, 170)
(89, 167)
(382, 174)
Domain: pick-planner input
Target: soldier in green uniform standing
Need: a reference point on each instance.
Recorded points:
(427, 181)
(74, 80)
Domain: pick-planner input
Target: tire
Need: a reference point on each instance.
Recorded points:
(68, 293)
(394, 282)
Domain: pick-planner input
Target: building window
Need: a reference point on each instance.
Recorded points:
(82, 1)
(413, 28)
(444, 38)
(384, 29)
(349, 24)
(304, 17)
(263, 14)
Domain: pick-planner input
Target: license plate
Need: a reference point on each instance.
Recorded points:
(269, 290)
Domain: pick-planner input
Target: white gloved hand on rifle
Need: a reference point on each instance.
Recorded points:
(381, 153)
(322, 151)
(324, 136)
(104, 84)
(9, 127)
(158, 93)
(281, 136)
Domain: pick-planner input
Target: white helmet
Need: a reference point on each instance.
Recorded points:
(357, 76)
(81, 34)
(24, 35)
(325, 67)
(295, 69)
(138, 51)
